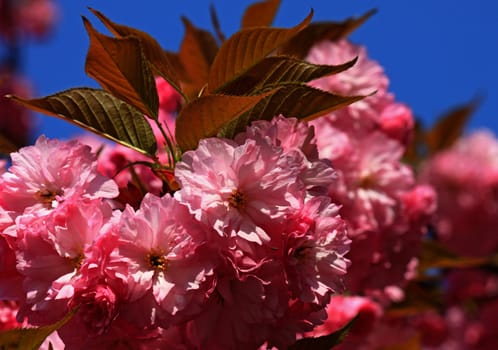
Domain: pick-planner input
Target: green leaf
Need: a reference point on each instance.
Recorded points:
(197, 52)
(246, 48)
(293, 101)
(100, 112)
(120, 67)
(300, 44)
(450, 127)
(260, 14)
(325, 342)
(165, 64)
(278, 70)
(206, 115)
(30, 338)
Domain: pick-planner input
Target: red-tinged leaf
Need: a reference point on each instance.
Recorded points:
(7, 146)
(205, 116)
(450, 127)
(30, 338)
(300, 44)
(120, 67)
(100, 112)
(164, 63)
(293, 100)
(246, 48)
(197, 52)
(279, 70)
(216, 24)
(260, 14)
(325, 342)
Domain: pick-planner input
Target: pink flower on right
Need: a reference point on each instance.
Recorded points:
(465, 177)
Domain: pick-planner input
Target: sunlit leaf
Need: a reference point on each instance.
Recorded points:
(164, 63)
(294, 101)
(205, 116)
(260, 14)
(30, 338)
(7, 146)
(100, 112)
(278, 70)
(246, 48)
(120, 67)
(197, 52)
(450, 127)
(325, 342)
(300, 44)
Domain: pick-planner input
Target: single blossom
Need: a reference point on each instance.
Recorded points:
(371, 179)
(315, 249)
(363, 79)
(50, 250)
(159, 257)
(49, 173)
(465, 177)
(297, 140)
(238, 189)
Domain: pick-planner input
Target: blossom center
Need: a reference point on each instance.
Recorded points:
(77, 261)
(367, 181)
(237, 199)
(156, 260)
(47, 196)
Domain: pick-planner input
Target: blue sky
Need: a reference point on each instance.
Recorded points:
(437, 54)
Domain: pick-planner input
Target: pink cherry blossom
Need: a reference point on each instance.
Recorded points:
(364, 78)
(37, 17)
(238, 189)
(342, 309)
(371, 178)
(315, 249)
(237, 314)
(122, 335)
(158, 256)
(297, 140)
(465, 177)
(397, 122)
(169, 98)
(97, 307)
(50, 251)
(49, 173)
(8, 314)
(384, 260)
(133, 180)
(10, 279)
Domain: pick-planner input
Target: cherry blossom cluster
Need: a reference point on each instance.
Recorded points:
(250, 243)
(255, 241)
(385, 209)
(34, 18)
(288, 230)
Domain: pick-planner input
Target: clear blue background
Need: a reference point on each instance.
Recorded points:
(437, 53)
